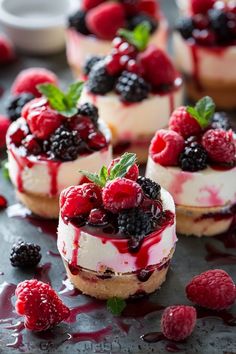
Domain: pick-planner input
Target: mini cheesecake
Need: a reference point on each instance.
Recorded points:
(197, 166)
(84, 38)
(135, 89)
(205, 51)
(120, 242)
(46, 149)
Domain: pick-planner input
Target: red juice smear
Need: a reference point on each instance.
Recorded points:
(18, 342)
(125, 327)
(155, 337)
(74, 258)
(7, 291)
(217, 256)
(95, 336)
(195, 60)
(42, 273)
(86, 308)
(176, 187)
(53, 254)
(227, 317)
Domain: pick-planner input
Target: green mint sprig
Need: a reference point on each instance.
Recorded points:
(116, 305)
(139, 37)
(64, 103)
(203, 111)
(119, 169)
(5, 169)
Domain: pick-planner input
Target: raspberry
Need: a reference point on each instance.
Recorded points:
(182, 123)
(166, 147)
(78, 22)
(3, 202)
(40, 305)
(178, 322)
(121, 194)
(99, 81)
(90, 4)
(16, 103)
(213, 289)
(105, 20)
(79, 200)
(220, 145)
(31, 144)
(28, 79)
(201, 6)
(6, 51)
(24, 254)
(133, 171)
(150, 188)
(83, 125)
(150, 7)
(131, 87)
(4, 124)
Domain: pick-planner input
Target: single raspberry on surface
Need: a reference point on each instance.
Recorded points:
(6, 51)
(220, 145)
(132, 173)
(28, 79)
(121, 194)
(178, 322)
(40, 305)
(105, 19)
(166, 147)
(213, 289)
(183, 123)
(201, 6)
(90, 4)
(4, 124)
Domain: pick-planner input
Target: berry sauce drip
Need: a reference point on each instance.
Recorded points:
(95, 336)
(7, 291)
(155, 337)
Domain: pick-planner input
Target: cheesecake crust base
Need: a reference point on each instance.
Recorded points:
(45, 207)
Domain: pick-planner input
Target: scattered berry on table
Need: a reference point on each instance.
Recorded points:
(150, 188)
(25, 255)
(193, 158)
(16, 103)
(131, 87)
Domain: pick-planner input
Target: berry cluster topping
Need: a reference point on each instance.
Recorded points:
(197, 137)
(132, 69)
(16, 103)
(212, 23)
(25, 255)
(117, 199)
(103, 19)
(52, 126)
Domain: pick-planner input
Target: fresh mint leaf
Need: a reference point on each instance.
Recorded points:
(116, 305)
(74, 92)
(203, 111)
(54, 95)
(121, 168)
(139, 37)
(5, 169)
(93, 177)
(103, 175)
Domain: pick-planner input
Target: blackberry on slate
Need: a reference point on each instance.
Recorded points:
(150, 188)
(185, 27)
(220, 120)
(99, 81)
(16, 103)
(89, 110)
(219, 23)
(136, 20)
(131, 87)
(78, 22)
(193, 158)
(90, 62)
(24, 254)
(64, 144)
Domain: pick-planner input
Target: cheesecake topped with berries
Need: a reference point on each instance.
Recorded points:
(116, 234)
(204, 43)
(135, 87)
(195, 160)
(50, 141)
(92, 28)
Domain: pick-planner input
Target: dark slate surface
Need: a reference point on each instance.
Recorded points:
(93, 329)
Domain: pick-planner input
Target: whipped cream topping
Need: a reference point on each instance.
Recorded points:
(97, 253)
(206, 188)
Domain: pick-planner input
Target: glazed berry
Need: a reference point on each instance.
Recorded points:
(32, 145)
(3, 202)
(185, 26)
(183, 123)
(121, 194)
(78, 21)
(96, 141)
(131, 87)
(25, 255)
(99, 81)
(89, 110)
(132, 173)
(220, 145)
(213, 289)
(97, 217)
(166, 147)
(150, 7)
(140, 18)
(134, 222)
(201, 6)
(90, 63)
(4, 125)
(64, 144)
(150, 188)
(16, 103)
(220, 120)
(193, 158)
(83, 125)
(40, 305)
(178, 322)
(219, 23)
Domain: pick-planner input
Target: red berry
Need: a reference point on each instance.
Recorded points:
(200, 21)
(127, 49)
(117, 41)
(213, 289)
(132, 173)
(31, 145)
(113, 63)
(83, 125)
(96, 141)
(201, 6)
(90, 4)
(183, 123)
(158, 68)
(133, 67)
(166, 147)
(97, 217)
(28, 79)
(6, 50)
(121, 194)
(40, 305)
(131, 7)
(105, 19)
(32, 105)
(149, 7)
(178, 322)
(18, 134)
(220, 145)
(204, 37)
(4, 124)
(3, 202)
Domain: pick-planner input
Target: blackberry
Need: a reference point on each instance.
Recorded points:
(90, 62)
(99, 81)
(78, 22)
(219, 22)
(193, 158)
(16, 103)
(24, 254)
(185, 27)
(136, 20)
(89, 110)
(64, 144)
(151, 189)
(220, 120)
(131, 87)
